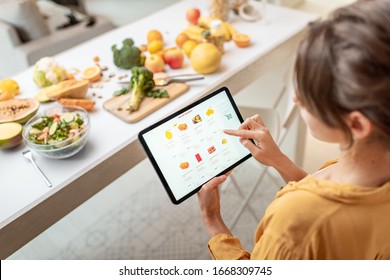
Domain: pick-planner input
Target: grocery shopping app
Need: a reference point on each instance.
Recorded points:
(192, 148)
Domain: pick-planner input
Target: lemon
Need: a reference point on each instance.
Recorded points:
(188, 47)
(205, 58)
(168, 134)
(155, 46)
(9, 86)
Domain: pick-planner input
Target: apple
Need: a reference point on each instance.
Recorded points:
(193, 15)
(154, 63)
(174, 58)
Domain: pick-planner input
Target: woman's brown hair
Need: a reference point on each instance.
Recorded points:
(343, 65)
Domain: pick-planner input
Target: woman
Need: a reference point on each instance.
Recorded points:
(343, 91)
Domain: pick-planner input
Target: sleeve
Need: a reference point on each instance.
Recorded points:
(227, 247)
(272, 248)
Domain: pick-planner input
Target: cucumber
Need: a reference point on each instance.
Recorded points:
(34, 131)
(67, 117)
(53, 128)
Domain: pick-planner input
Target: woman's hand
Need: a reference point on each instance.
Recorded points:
(210, 207)
(264, 149)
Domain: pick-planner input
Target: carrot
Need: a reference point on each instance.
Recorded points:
(87, 104)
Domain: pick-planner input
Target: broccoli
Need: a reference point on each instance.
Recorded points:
(128, 56)
(141, 84)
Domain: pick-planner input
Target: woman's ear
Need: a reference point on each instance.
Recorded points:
(359, 125)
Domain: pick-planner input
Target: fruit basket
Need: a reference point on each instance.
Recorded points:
(60, 132)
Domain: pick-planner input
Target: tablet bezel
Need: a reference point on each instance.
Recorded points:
(153, 160)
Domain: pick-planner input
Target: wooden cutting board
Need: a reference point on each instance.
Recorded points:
(117, 105)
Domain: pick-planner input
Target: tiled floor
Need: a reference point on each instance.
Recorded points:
(130, 220)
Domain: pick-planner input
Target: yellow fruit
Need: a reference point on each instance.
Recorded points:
(168, 134)
(9, 86)
(209, 112)
(154, 35)
(155, 46)
(181, 39)
(194, 32)
(241, 40)
(188, 46)
(205, 58)
(92, 73)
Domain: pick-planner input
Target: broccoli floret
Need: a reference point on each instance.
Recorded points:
(128, 56)
(141, 84)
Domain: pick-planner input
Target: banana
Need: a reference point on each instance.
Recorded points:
(194, 32)
(195, 29)
(228, 29)
(204, 21)
(231, 29)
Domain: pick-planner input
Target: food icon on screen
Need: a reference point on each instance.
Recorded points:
(198, 157)
(209, 112)
(196, 119)
(182, 126)
(224, 141)
(211, 149)
(184, 165)
(168, 134)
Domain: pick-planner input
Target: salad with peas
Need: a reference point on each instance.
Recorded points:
(56, 128)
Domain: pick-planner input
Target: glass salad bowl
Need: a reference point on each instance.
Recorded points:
(59, 132)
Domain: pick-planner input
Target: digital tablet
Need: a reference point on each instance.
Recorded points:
(189, 147)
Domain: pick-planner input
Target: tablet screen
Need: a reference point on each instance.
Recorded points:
(189, 148)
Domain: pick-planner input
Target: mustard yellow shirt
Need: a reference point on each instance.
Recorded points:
(318, 219)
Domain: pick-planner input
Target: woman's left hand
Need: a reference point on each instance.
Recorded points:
(210, 207)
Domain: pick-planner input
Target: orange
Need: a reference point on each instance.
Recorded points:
(181, 39)
(155, 46)
(241, 40)
(143, 48)
(205, 58)
(154, 35)
(92, 73)
(188, 46)
(6, 96)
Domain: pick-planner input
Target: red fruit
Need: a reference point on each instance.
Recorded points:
(174, 58)
(193, 15)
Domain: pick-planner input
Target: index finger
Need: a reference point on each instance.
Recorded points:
(249, 134)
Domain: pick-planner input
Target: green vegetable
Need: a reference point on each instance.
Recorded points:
(128, 56)
(157, 93)
(141, 84)
(48, 72)
(120, 91)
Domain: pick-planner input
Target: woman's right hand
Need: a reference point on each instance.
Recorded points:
(263, 148)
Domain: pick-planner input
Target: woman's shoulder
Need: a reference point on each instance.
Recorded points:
(301, 207)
